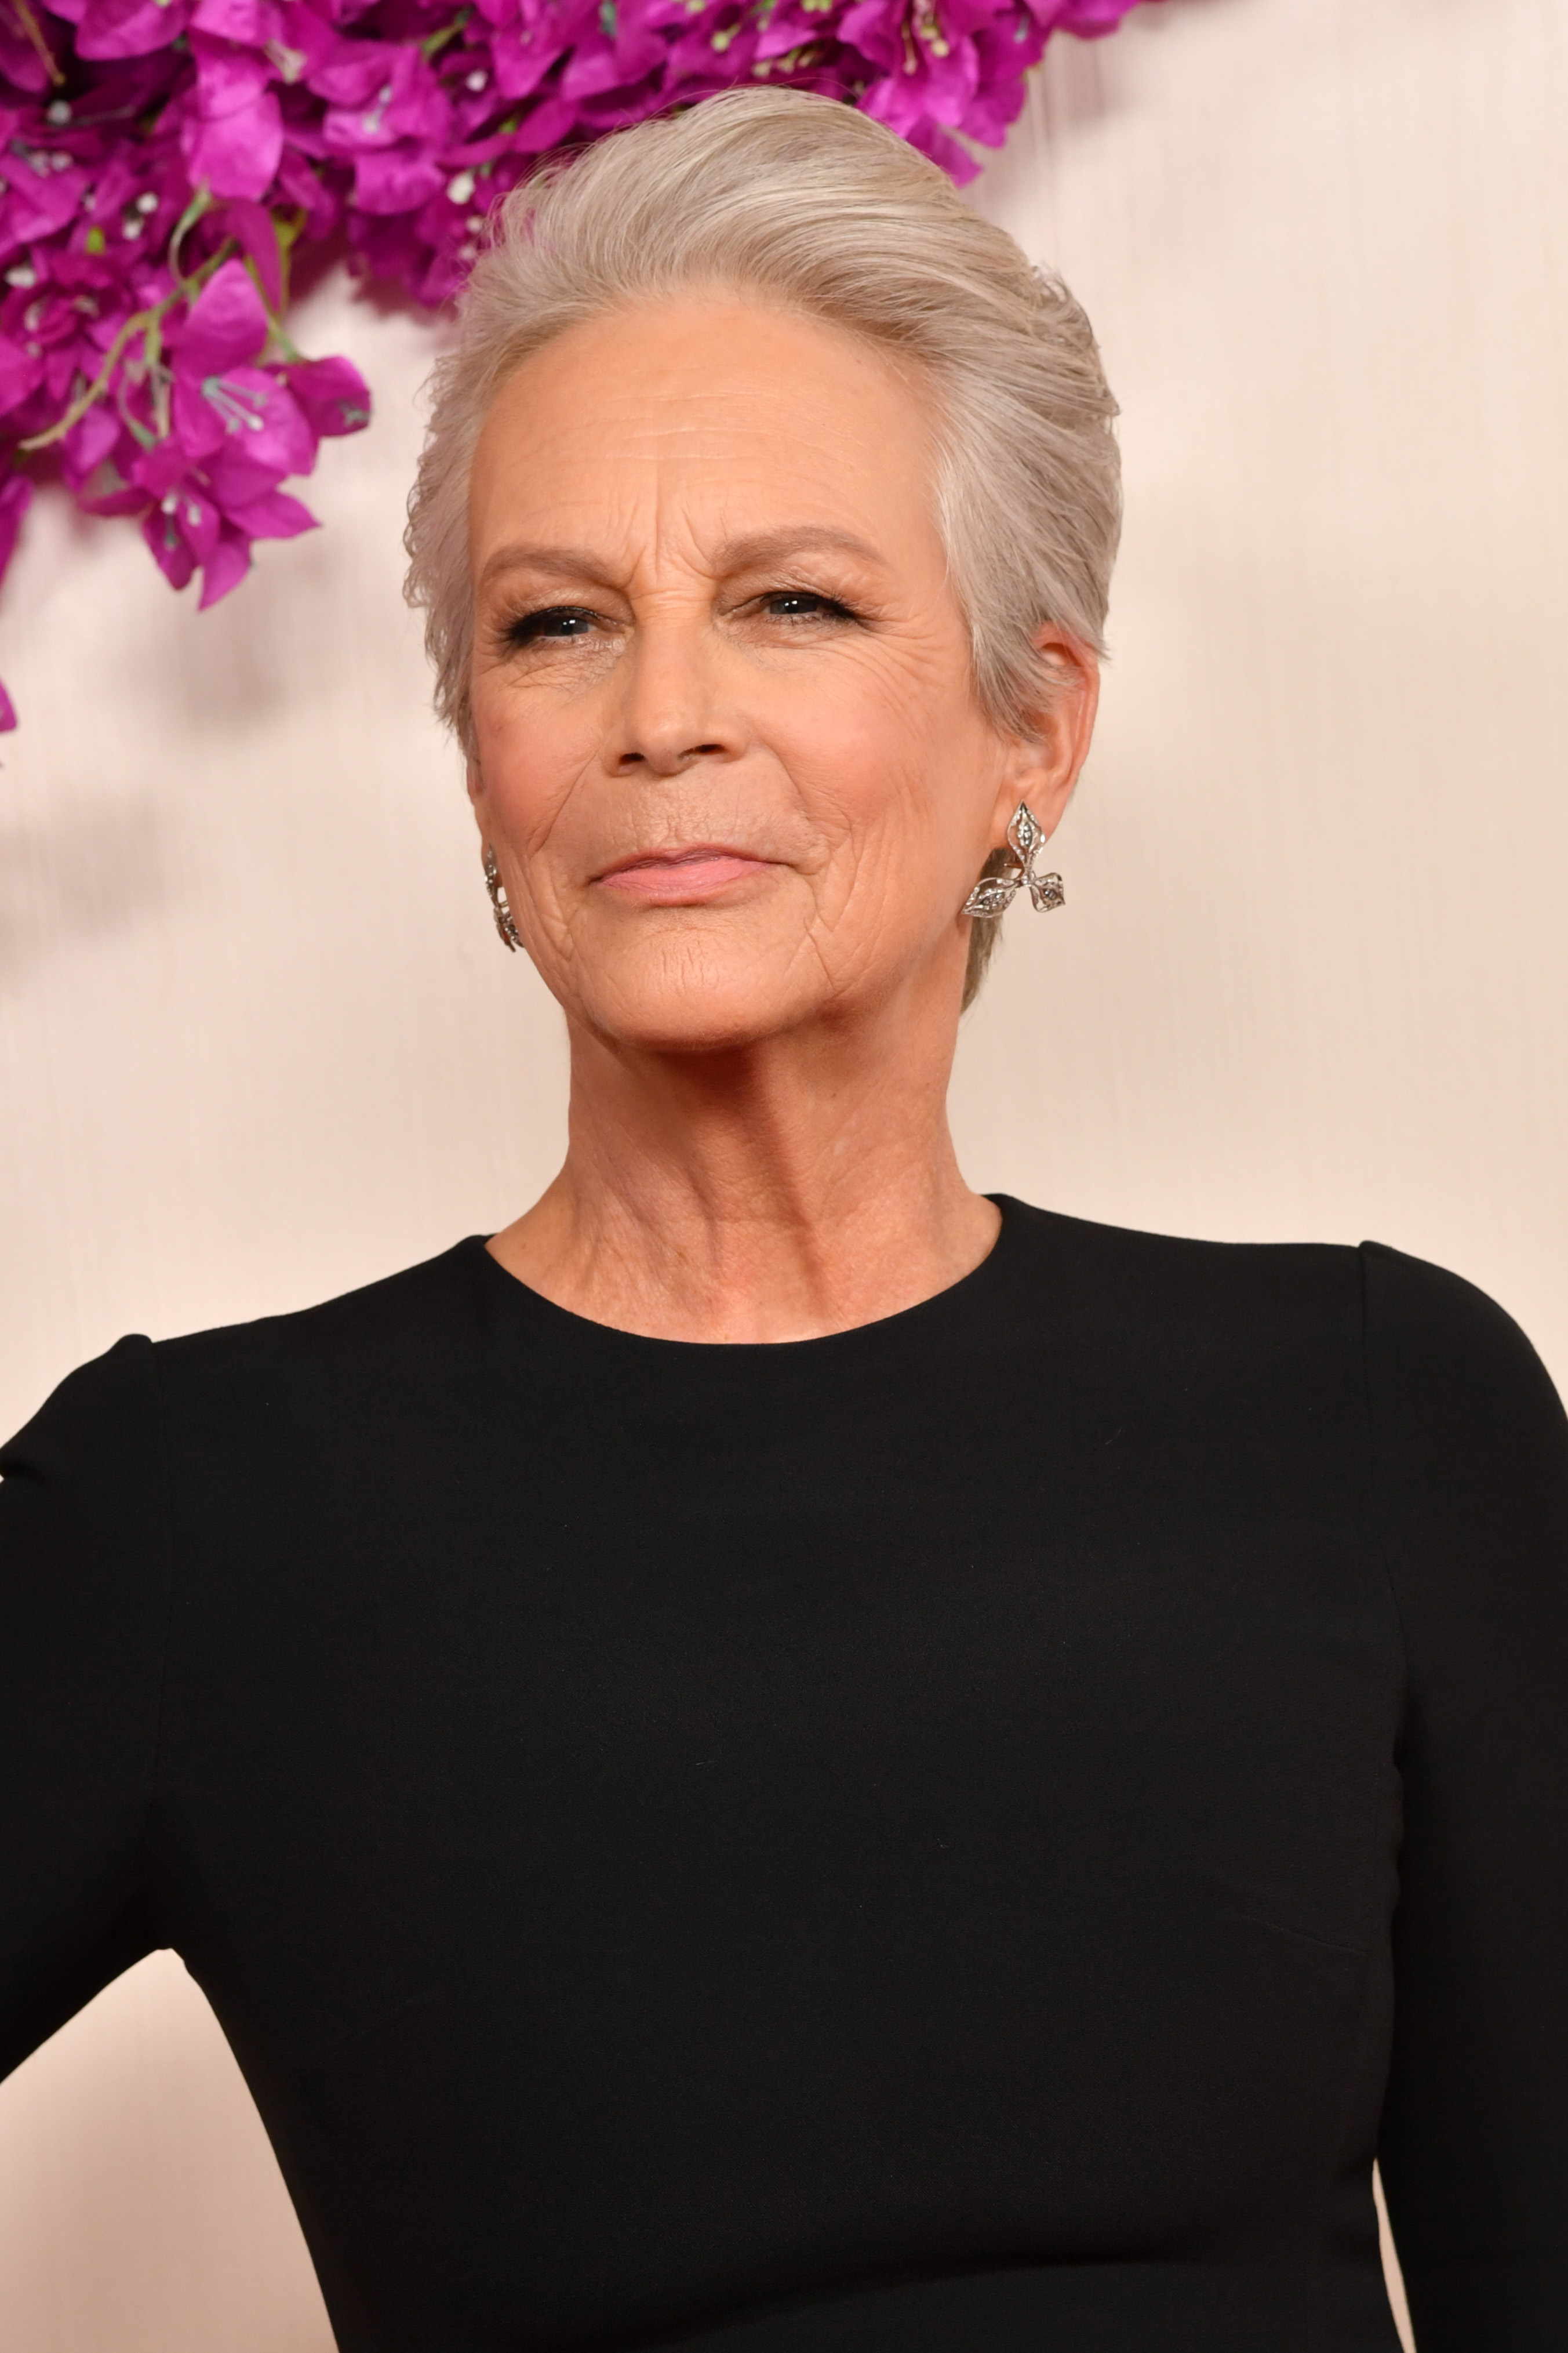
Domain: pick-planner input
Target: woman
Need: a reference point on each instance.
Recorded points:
(785, 1757)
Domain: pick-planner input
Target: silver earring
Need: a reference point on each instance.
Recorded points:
(994, 894)
(500, 906)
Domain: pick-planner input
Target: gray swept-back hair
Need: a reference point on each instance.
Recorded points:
(812, 206)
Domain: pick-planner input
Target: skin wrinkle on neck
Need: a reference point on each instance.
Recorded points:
(713, 615)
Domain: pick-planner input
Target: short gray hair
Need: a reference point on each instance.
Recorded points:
(813, 207)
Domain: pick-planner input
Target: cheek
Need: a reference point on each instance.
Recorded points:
(528, 754)
(888, 753)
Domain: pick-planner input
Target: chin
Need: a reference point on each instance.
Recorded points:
(697, 996)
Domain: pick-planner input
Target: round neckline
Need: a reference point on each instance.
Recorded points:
(976, 1283)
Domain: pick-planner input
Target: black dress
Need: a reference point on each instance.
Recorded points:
(959, 1837)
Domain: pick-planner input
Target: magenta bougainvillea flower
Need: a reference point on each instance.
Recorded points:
(162, 161)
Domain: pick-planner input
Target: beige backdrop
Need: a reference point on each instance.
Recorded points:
(258, 1042)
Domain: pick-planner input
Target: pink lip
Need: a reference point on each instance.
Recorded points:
(681, 877)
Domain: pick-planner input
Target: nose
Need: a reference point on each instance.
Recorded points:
(672, 709)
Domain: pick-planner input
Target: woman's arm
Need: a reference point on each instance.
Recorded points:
(1471, 1453)
(84, 1607)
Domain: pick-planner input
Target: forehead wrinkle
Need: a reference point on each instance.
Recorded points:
(748, 552)
(754, 548)
(690, 497)
(554, 563)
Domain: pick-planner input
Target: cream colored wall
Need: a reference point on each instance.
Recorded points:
(258, 1042)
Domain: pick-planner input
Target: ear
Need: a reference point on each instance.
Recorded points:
(1043, 767)
(474, 783)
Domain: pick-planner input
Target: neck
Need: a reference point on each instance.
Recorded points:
(800, 1185)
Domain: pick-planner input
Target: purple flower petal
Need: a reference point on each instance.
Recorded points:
(256, 232)
(199, 428)
(108, 491)
(225, 567)
(16, 497)
(409, 103)
(130, 28)
(396, 179)
(157, 471)
(235, 138)
(276, 516)
(170, 549)
(89, 445)
(253, 23)
(345, 71)
(521, 61)
(228, 326)
(1089, 19)
(195, 518)
(23, 68)
(266, 436)
(546, 125)
(333, 394)
(21, 373)
(43, 199)
(597, 64)
(299, 184)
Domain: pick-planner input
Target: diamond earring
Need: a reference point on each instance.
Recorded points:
(500, 906)
(994, 894)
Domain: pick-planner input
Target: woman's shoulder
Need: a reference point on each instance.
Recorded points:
(1100, 1251)
(417, 1308)
(1182, 1288)
(418, 1323)
(358, 1376)
(1428, 1343)
(1471, 1441)
(1381, 1282)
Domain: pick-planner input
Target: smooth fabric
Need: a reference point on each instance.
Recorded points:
(958, 1837)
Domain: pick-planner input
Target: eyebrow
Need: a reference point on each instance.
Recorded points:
(746, 554)
(777, 546)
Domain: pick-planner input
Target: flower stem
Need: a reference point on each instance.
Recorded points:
(35, 33)
(145, 323)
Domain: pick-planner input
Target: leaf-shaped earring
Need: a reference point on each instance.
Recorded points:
(994, 894)
(500, 906)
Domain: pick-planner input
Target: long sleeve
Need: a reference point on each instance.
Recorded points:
(84, 1607)
(1471, 1451)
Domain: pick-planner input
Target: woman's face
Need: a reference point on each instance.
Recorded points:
(728, 753)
